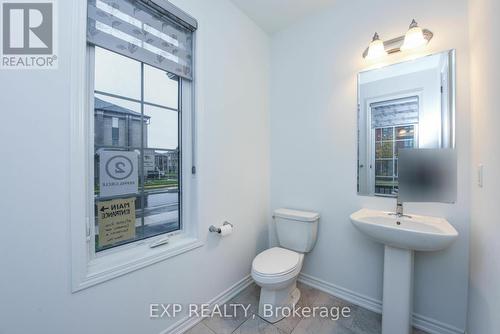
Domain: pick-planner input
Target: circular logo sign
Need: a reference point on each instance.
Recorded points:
(119, 167)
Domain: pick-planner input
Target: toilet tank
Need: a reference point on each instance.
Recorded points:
(297, 230)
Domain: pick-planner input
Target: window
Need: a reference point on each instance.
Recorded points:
(394, 127)
(133, 185)
(140, 53)
(146, 115)
(115, 132)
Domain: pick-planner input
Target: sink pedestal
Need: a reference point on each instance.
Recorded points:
(397, 303)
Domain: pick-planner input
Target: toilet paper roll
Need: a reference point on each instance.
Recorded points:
(226, 230)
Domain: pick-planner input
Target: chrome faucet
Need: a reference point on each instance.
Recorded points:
(399, 207)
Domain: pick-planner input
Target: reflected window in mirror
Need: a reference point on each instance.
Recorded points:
(394, 126)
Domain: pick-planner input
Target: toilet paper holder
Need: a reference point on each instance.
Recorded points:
(212, 228)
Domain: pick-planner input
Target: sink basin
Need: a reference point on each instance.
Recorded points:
(419, 233)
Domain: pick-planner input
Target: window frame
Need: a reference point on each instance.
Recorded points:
(88, 267)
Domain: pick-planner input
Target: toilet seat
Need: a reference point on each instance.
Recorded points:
(277, 263)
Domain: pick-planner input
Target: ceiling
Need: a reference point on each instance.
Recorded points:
(275, 15)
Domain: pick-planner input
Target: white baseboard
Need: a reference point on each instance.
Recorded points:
(429, 325)
(337, 291)
(186, 322)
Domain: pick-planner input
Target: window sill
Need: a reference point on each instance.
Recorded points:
(112, 265)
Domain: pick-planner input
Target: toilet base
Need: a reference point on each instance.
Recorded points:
(272, 302)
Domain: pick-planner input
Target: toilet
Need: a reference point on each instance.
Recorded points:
(276, 269)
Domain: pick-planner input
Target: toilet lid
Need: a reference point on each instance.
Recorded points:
(276, 261)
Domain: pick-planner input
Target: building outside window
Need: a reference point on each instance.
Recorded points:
(110, 120)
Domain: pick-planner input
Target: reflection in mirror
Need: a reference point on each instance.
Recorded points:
(402, 106)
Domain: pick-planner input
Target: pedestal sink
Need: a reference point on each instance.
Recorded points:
(401, 235)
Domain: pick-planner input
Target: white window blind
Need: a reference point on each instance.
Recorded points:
(145, 31)
(395, 112)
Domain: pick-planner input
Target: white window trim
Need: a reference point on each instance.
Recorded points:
(89, 269)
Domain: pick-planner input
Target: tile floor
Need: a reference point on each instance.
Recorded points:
(361, 320)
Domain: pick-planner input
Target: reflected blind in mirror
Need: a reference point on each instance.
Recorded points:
(394, 112)
(136, 29)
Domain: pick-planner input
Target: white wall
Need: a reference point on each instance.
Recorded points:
(233, 124)
(484, 289)
(313, 145)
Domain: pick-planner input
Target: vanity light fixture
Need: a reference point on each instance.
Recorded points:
(376, 48)
(414, 38)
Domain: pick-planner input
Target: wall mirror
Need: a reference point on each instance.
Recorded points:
(405, 105)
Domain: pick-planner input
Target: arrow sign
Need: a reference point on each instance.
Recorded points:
(116, 220)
